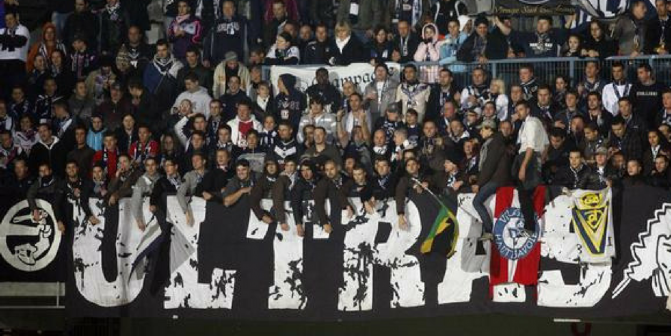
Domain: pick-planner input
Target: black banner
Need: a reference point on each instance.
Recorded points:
(532, 7)
(230, 265)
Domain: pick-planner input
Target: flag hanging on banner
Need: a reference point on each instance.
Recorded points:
(516, 256)
(445, 224)
(533, 7)
(593, 223)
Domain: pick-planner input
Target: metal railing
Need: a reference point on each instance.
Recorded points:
(546, 69)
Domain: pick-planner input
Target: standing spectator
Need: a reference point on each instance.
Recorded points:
(114, 23)
(98, 81)
(82, 22)
(194, 65)
(625, 141)
(444, 11)
(160, 77)
(381, 92)
(14, 39)
(616, 89)
(60, 11)
(44, 103)
(290, 103)
(657, 32)
(228, 67)
(482, 45)
(139, 52)
(94, 138)
(186, 30)
(411, 93)
(49, 150)
(82, 153)
(362, 16)
(592, 81)
(413, 11)
(82, 60)
(275, 23)
(113, 110)
(630, 30)
(228, 34)
(646, 94)
(232, 97)
(544, 42)
(242, 124)
(474, 94)
(329, 94)
(532, 142)
(137, 13)
(196, 94)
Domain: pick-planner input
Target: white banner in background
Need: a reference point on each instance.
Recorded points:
(359, 73)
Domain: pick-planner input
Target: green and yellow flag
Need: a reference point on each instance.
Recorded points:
(445, 226)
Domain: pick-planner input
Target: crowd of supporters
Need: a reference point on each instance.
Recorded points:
(90, 109)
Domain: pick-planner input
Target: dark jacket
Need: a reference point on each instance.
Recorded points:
(576, 179)
(86, 24)
(227, 34)
(653, 36)
(496, 48)
(352, 52)
(497, 162)
(54, 155)
(302, 192)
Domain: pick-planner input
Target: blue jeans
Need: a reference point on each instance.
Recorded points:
(481, 197)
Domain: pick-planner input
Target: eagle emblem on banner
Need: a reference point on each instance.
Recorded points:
(590, 221)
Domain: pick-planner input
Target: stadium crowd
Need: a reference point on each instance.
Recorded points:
(90, 109)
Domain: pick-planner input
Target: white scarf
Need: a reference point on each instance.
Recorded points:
(342, 43)
(263, 103)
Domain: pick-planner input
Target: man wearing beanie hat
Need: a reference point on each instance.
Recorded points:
(482, 45)
(228, 67)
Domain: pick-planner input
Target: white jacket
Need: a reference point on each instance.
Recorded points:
(236, 137)
(200, 101)
(609, 97)
(18, 53)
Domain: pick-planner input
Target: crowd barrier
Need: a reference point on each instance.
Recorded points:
(546, 69)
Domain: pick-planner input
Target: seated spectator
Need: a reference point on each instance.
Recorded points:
(573, 47)
(658, 146)
(405, 42)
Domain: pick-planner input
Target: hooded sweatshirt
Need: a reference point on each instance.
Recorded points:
(290, 106)
(200, 101)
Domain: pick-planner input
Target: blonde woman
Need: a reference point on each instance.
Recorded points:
(346, 47)
(497, 89)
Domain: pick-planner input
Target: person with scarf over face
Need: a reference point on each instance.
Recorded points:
(289, 103)
(262, 189)
(114, 22)
(429, 51)
(160, 77)
(184, 31)
(412, 94)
